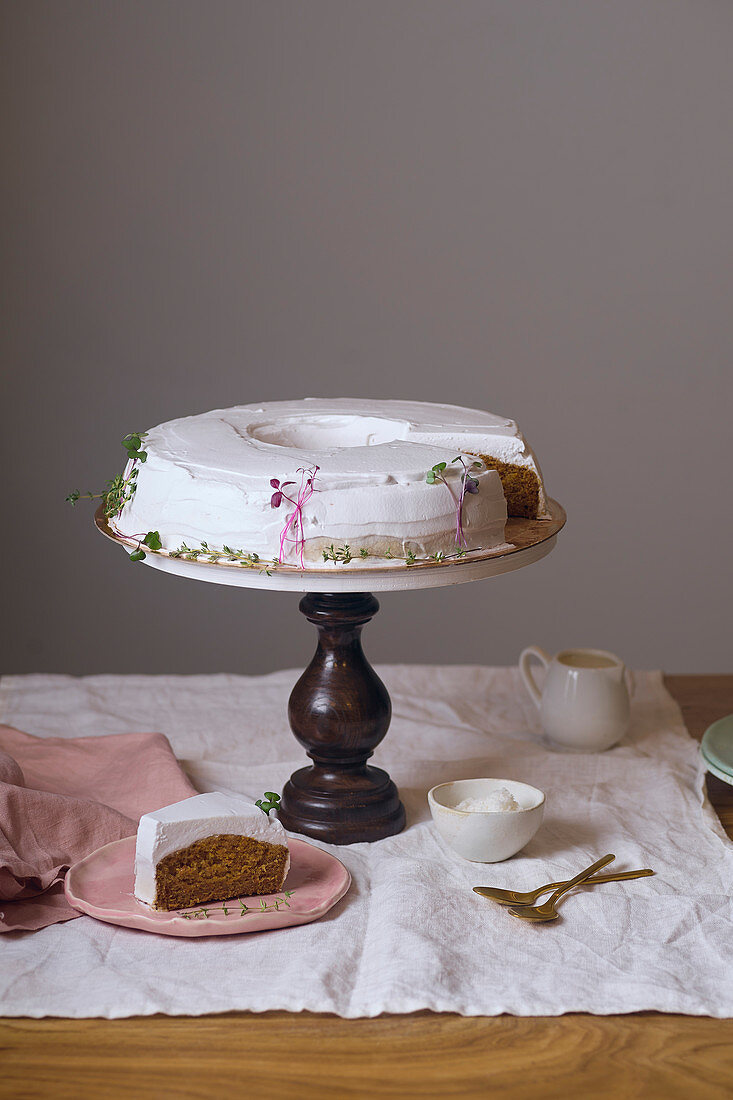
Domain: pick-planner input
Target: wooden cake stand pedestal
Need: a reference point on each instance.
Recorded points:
(339, 709)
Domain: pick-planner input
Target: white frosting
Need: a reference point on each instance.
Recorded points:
(174, 827)
(207, 477)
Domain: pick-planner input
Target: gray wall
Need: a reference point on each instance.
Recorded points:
(515, 205)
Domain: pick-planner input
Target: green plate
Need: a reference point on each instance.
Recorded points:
(717, 748)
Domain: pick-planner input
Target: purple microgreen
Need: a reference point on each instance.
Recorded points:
(293, 529)
(275, 482)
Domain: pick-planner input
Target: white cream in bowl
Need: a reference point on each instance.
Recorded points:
(486, 835)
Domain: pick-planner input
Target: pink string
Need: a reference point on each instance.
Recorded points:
(461, 539)
(292, 531)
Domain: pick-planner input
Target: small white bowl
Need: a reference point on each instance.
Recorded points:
(486, 836)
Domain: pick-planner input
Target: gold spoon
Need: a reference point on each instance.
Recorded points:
(547, 910)
(529, 897)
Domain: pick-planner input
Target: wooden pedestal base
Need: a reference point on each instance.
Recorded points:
(339, 711)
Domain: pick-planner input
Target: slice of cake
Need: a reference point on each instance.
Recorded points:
(208, 848)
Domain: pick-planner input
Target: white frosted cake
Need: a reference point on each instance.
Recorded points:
(314, 480)
(208, 848)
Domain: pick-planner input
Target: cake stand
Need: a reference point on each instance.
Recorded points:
(339, 710)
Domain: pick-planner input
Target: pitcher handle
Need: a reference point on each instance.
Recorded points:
(526, 673)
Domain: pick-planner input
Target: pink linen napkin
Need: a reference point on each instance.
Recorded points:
(60, 800)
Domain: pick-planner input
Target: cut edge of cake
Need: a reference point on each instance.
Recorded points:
(219, 867)
(523, 489)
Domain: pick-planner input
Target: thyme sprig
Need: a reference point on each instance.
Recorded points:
(216, 553)
(340, 553)
(115, 495)
(244, 910)
(120, 489)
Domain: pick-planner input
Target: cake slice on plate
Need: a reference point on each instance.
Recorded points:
(208, 848)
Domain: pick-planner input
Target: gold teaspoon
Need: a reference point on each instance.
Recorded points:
(529, 897)
(547, 910)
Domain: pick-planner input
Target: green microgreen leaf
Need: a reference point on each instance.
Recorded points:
(152, 539)
(271, 801)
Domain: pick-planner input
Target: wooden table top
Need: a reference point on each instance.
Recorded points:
(432, 1056)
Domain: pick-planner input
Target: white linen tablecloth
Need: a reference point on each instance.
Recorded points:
(411, 934)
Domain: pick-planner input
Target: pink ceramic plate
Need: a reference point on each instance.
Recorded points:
(100, 885)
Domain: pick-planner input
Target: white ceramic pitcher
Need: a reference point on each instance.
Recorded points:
(584, 702)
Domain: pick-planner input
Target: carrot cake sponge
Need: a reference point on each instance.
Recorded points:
(208, 848)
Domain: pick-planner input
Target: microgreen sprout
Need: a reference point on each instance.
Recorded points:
(270, 801)
(151, 540)
(132, 444)
(293, 530)
(469, 484)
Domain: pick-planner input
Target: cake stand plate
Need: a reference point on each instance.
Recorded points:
(101, 885)
(340, 710)
(527, 540)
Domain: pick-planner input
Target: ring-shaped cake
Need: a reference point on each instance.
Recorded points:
(314, 480)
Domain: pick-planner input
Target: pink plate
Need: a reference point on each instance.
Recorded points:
(101, 884)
